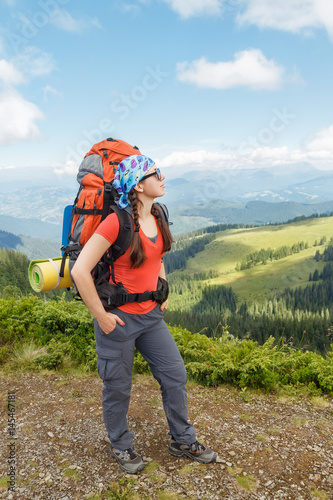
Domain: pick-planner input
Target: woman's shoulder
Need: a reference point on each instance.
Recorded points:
(109, 227)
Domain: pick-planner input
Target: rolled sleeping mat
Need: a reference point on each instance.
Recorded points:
(44, 275)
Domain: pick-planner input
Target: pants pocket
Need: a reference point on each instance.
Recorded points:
(111, 368)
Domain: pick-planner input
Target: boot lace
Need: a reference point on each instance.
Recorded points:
(197, 447)
(128, 454)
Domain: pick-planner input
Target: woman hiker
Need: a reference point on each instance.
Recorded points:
(140, 324)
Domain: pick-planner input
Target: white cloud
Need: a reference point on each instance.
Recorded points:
(189, 8)
(70, 168)
(50, 90)
(8, 167)
(130, 8)
(63, 20)
(33, 62)
(289, 15)
(17, 118)
(318, 152)
(295, 77)
(180, 158)
(323, 142)
(9, 75)
(250, 68)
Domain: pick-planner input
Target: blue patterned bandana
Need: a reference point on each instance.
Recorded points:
(128, 174)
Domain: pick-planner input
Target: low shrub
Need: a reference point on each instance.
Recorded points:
(61, 334)
(244, 363)
(25, 356)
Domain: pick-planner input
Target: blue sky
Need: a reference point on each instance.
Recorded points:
(195, 84)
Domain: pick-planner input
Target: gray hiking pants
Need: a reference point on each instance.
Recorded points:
(150, 335)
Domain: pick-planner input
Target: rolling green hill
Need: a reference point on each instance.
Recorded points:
(231, 247)
(256, 281)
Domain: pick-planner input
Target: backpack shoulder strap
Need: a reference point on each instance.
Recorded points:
(119, 247)
(126, 231)
(164, 212)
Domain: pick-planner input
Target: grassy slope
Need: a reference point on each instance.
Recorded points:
(231, 247)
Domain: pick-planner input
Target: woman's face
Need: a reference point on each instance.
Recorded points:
(153, 187)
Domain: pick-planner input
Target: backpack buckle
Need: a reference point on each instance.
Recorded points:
(158, 295)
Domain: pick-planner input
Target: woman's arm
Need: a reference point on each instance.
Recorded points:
(81, 273)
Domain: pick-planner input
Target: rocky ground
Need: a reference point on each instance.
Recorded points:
(269, 447)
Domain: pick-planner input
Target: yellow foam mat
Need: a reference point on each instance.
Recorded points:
(44, 275)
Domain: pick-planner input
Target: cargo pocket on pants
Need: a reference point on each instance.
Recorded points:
(111, 369)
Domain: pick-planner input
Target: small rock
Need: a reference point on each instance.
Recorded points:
(50, 434)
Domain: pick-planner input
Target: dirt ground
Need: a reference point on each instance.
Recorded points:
(269, 447)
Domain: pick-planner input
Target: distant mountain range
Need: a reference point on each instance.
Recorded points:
(300, 182)
(256, 212)
(195, 199)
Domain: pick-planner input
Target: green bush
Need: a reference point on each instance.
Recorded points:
(4, 353)
(17, 319)
(57, 324)
(140, 365)
(244, 363)
(57, 354)
(65, 331)
(25, 355)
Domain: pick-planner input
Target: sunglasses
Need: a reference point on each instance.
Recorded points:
(157, 172)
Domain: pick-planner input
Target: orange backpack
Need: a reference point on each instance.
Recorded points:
(96, 193)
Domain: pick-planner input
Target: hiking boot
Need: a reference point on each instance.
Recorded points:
(128, 460)
(196, 451)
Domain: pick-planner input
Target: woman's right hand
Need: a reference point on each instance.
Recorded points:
(108, 322)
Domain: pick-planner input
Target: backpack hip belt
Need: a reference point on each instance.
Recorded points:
(113, 296)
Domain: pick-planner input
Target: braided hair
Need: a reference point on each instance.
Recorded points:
(164, 228)
(137, 255)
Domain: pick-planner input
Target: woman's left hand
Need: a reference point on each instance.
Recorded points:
(164, 305)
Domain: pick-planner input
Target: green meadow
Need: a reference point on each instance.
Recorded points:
(231, 247)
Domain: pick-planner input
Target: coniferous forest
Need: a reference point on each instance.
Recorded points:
(302, 316)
